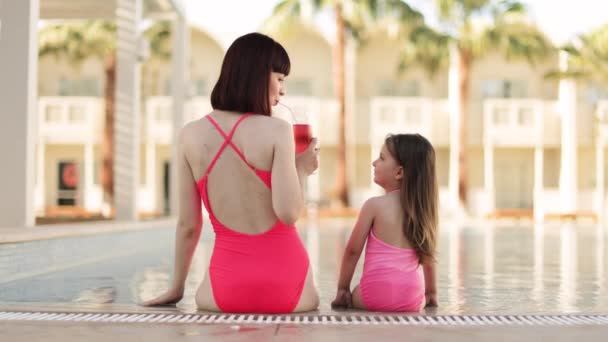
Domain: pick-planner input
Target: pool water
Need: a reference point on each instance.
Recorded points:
(483, 268)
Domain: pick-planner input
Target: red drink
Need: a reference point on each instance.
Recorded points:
(303, 136)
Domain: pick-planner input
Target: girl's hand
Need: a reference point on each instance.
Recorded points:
(308, 161)
(431, 300)
(170, 297)
(343, 299)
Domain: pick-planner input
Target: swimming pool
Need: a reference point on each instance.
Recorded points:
(483, 268)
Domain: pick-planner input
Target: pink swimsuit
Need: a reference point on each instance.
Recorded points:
(261, 273)
(391, 280)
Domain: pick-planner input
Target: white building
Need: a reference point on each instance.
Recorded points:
(534, 144)
(34, 132)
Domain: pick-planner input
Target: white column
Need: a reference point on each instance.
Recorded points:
(40, 184)
(599, 178)
(18, 92)
(488, 163)
(89, 166)
(568, 173)
(127, 115)
(455, 122)
(350, 66)
(539, 210)
(179, 81)
(151, 174)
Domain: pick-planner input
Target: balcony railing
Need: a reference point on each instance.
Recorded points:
(425, 116)
(73, 119)
(521, 122)
(159, 118)
(321, 114)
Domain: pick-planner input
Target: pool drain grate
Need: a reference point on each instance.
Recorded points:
(437, 320)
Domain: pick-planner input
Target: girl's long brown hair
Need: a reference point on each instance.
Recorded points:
(419, 191)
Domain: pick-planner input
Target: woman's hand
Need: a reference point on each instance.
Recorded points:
(170, 297)
(431, 300)
(343, 299)
(308, 161)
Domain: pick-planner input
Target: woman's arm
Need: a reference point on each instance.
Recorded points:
(357, 239)
(189, 226)
(287, 180)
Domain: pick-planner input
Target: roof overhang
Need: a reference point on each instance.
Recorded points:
(106, 9)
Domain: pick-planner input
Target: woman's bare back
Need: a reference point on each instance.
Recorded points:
(238, 197)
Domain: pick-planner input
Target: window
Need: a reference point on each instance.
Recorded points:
(79, 87)
(406, 88)
(200, 87)
(504, 89)
(167, 87)
(299, 86)
(594, 93)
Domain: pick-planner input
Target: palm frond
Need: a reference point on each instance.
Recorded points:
(285, 15)
(159, 37)
(590, 54)
(427, 48)
(77, 41)
(514, 38)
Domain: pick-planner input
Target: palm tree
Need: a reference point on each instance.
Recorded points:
(159, 37)
(79, 41)
(509, 32)
(354, 18)
(588, 56)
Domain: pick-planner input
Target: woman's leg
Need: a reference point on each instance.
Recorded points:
(309, 299)
(357, 300)
(204, 296)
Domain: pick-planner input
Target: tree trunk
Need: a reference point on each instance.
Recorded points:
(465, 60)
(107, 144)
(341, 181)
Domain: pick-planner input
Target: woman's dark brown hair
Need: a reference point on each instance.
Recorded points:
(419, 191)
(245, 76)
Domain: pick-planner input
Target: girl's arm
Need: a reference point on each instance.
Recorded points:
(430, 283)
(188, 230)
(353, 249)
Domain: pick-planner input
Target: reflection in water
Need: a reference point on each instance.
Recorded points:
(488, 257)
(454, 262)
(539, 261)
(312, 246)
(152, 282)
(568, 267)
(482, 269)
(100, 295)
(600, 257)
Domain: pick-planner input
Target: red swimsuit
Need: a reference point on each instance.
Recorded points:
(261, 273)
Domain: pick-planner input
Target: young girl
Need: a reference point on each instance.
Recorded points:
(401, 232)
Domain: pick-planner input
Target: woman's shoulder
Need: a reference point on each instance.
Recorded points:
(271, 121)
(270, 126)
(191, 131)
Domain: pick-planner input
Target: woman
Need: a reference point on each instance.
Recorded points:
(241, 163)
